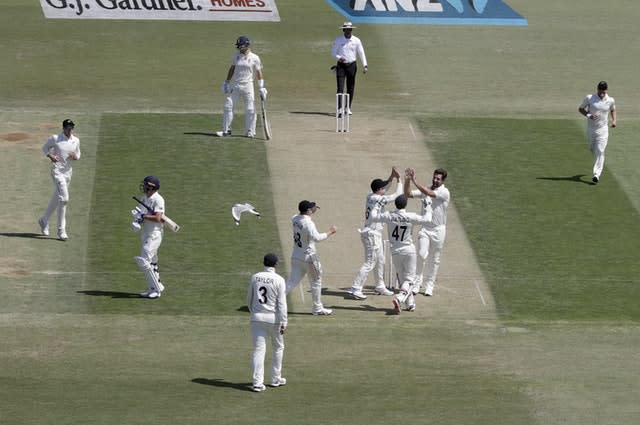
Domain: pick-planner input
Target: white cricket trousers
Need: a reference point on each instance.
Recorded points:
(299, 268)
(245, 92)
(430, 244)
(597, 145)
(261, 332)
(405, 265)
(59, 199)
(148, 259)
(373, 259)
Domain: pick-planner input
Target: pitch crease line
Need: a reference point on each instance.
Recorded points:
(475, 282)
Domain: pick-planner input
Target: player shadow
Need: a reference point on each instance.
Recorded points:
(366, 308)
(27, 235)
(199, 133)
(242, 386)
(325, 114)
(578, 178)
(112, 294)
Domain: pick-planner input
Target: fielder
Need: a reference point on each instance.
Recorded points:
(304, 258)
(239, 85)
(597, 107)
(403, 252)
(151, 236)
(435, 201)
(267, 301)
(61, 149)
(371, 236)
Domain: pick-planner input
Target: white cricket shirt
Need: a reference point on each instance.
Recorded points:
(245, 67)
(267, 297)
(62, 146)
(305, 236)
(436, 208)
(594, 105)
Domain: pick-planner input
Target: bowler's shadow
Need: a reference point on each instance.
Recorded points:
(243, 386)
(578, 178)
(112, 294)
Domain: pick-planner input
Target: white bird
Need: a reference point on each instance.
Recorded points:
(238, 209)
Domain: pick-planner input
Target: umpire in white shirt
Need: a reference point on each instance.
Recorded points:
(345, 50)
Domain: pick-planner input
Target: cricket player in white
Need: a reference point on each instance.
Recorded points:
(304, 258)
(239, 85)
(371, 236)
(400, 227)
(151, 236)
(61, 149)
(597, 107)
(267, 301)
(435, 201)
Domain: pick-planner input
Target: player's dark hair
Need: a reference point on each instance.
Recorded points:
(442, 172)
(401, 201)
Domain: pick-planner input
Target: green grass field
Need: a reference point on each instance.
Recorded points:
(497, 106)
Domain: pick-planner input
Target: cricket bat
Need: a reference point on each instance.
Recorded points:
(265, 120)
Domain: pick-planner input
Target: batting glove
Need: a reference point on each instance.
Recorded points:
(225, 87)
(263, 93)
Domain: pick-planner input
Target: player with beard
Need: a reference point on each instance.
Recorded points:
(435, 201)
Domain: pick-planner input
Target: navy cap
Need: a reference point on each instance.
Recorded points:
(68, 123)
(305, 205)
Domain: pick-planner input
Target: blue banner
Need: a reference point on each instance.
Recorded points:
(434, 12)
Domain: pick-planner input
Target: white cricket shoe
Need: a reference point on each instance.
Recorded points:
(223, 133)
(151, 295)
(429, 291)
(279, 382)
(382, 290)
(323, 312)
(349, 111)
(412, 307)
(258, 388)
(44, 227)
(250, 135)
(63, 236)
(358, 295)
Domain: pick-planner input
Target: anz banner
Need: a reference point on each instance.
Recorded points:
(182, 10)
(445, 12)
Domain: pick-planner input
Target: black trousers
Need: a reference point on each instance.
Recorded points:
(346, 71)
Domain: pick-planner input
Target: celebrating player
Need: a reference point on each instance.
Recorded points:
(61, 149)
(597, 107)
(304, 258)
(435, 201)
(239, 85)
(267, 301)
(151, 236)
(400, 227)
(371, 236)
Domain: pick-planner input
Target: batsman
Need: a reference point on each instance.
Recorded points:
(149, 218)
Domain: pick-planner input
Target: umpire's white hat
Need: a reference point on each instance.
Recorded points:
(347, 26)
